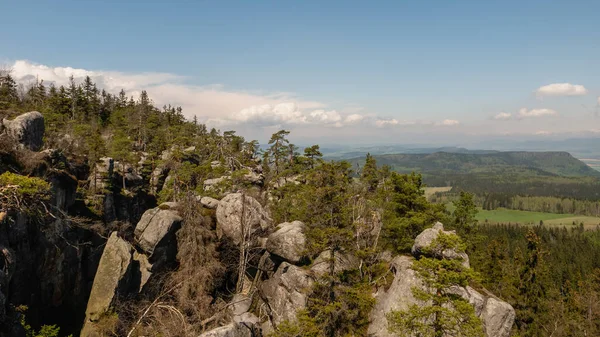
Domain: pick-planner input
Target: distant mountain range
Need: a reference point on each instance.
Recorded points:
(588, 148)
(463, 161)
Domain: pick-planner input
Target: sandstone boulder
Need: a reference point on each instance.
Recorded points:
(210, 203)
(210, 184)
(155, 233)
(230, 330)
(288, 242)
(343, 262)
(27, 129)
(286, 292)
(237, 211)
(498, 317)
(426, 238)
(111, 278)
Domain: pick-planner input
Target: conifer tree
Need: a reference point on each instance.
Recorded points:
(369, 173)
(279, 150)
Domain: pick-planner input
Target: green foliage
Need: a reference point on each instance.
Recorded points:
(407, 211)
(24, 187)
(369, 174)
(547, 274)
(441, 312)
(45, 330)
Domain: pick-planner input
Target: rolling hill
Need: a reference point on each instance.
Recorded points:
(529, 163)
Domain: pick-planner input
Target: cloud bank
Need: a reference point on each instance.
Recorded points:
(213, 104)
(561, 89)
(525, 113)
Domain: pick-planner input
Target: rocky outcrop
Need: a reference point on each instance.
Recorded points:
(288, 242)
(112, 278)
(253, 177)
(426, 238)
(155, 234)
(210, 184)
(396, 298)
(497, 316)
(343, 262)
(286, 292)
(26, 129)
(237, 211)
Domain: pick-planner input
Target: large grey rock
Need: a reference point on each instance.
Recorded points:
(156, 229)
(236, 211)
(254, 177)
(497, 316)
(158, 179)
(342, 262)
(111, 277)
(396, 298)
(210, 184)
(286, 292)
(230, 330)
(27, 129)
(288, 242)
(209, 202)
(426, 238)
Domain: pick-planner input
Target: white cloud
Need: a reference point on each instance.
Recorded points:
(503, 116)
(561, 89)
(524, 113)
(543, 133)
(450, 122)
(212, 104)
(353, 118)
(386, 122)
(598, 100)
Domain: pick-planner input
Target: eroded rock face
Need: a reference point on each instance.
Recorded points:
(155, 233)
(426, 238)
(210, 184)
(210, 203)
(397, 297)
(498, 317)
(230, 330)
(286, 292)
(237, 211)
(111, 278)
(288, 242)
(343, 262)
(27, 129)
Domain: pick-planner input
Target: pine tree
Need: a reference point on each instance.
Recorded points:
(121, 150)
(369, 174)
(279, 150)
(8, 88)
(313, 153)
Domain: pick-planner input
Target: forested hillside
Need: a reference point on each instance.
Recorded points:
(453, 163)
(118, 218)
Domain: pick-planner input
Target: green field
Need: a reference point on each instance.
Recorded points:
(502, 215)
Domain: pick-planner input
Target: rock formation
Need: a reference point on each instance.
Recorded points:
(288, 242)
(27, 129)
(496, 315)
(237, 210)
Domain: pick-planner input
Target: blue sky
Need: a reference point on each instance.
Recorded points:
(435, 67)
